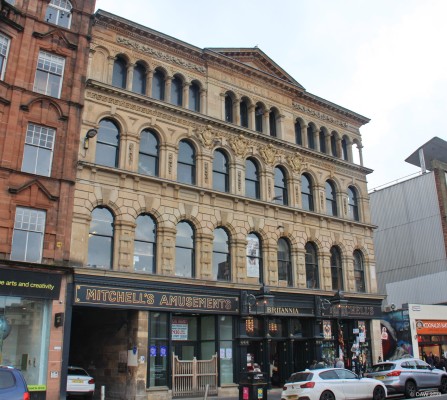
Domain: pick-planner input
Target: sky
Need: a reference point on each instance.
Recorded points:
(383, 59)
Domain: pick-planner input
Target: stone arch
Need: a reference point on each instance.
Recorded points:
(195, 223)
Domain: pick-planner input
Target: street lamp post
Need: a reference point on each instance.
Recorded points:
(339, 310)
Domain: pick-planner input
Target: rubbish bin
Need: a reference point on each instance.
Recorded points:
(253, 386)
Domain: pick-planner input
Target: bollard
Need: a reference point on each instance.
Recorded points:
(103, 392)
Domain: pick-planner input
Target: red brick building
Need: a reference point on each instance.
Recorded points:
(44, 49)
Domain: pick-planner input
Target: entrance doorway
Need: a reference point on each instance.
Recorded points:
(185, 350)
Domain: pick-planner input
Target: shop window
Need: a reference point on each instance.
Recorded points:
(280, 187)
(119, 75)
(4, 50)
(28, 235)
(184, 250)
(144, 245)
(226, 359)
(186, 164)
(158, 358)
(38, 151)
(207, 336)
(107, 144)
(49, 73)
(336, 269)
(59, 13)
(100, 242)
(254, 257)
(253, 327)
(284, 261)
(149, 153)
(359, 272)
(139, 79)
(331, 199)
(252, 185)
(312, 273)
(194, 97)
(177, 91)
(221, 256)
(221, 176)
(353, 204)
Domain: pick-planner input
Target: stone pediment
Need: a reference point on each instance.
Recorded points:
(57, 36)
(256, 58)
(30, 184)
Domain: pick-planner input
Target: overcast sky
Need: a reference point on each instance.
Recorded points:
(383, 59)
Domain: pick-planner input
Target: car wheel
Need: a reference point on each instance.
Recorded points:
(410, 389)
(327, 395)
(443, 387)
(379, 393)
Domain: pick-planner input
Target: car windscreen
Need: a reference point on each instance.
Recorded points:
(300, 377)
(77, 371)
(382, 367)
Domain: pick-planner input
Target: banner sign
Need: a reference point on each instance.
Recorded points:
(154, 299)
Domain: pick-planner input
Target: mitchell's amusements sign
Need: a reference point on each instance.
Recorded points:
(154, 300)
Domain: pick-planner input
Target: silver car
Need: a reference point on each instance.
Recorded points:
(409, 375)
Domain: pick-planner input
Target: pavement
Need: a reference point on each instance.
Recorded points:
(272, 394)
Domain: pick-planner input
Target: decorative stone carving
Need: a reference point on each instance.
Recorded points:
(240, 146)
(131, 153)
(269, 153)
(319, 115)
(206, 136)
(295, 162)
(206, 172)
(170, 162)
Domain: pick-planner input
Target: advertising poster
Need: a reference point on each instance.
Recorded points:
(179, 330)
(327, 331)
(362, 331)
(252, 258)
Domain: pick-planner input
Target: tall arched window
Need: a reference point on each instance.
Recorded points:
(312, 273)
(259, 117)
(310, 137)
(144, 245)
(284, 261)
(307, 197)
(148, 156)
(322, 136)
(194, 97)
(107, 144)
(59, 13)
(359, 272)
(344, 148)
(331, 199)
(228, 108)
(272, 123)
(298, 137)
(158, 85)
(221, 256)
(252, 187)
(353, 203)
(184, 250)
(186, 165)
(336, 269)
(281, 193)
(177, 91)
(100, 242)
(119, 76)
(221, 176)
(254, 257)
(334, 144)
(243, 107)
(139, 79)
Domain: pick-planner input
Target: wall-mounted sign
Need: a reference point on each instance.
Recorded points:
(431, 327)
(353, 311)
(154, 300)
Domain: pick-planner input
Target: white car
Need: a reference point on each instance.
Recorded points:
(332, 384)
(80, 383)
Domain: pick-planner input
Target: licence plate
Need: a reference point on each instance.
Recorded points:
(380, 377)
(77, 381)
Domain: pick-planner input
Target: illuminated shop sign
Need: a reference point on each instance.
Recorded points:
(353, 311)
(433, 327)
(154, 300)
(20, 283)
(289, 311)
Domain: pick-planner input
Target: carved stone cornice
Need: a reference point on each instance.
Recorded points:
(319, 115)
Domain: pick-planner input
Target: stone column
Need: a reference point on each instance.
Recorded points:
(237, 111)
(251, 117)
(124, 246)
(317, 139)
(203, 106)
(350, 157)
(168, 83)
(204, 256)
(300, 256)
(149, 77)
(280, 126)
(325, 270)
(266, 123)
(304, 136)
(129, 82)
(186, 86)
(111, 61)
(166, 250)
(360, 147)
(339, 148)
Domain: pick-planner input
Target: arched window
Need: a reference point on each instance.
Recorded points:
(148, 156)
(310, 137)
(177, 91)
(353, 203)
(221, 176)
(322, 136)
(259, 116)
(336, 269)
(254, 257)
(184, 250)
(252, 187)
(243, 107)
(272, 123)
(194, 97)
(359, 272)
(100, 242)
(281, 194)
(59, 13)
(221, 256)
(344, 148)
(298, 137)
(144, 245)
(331, 199)
(284, 261)
(334, 144)
(307, 197)
(186, 165)
(107, 144)
(312, 273)
(228, 108)
(158, 85)
(119, 77)
(139, 79)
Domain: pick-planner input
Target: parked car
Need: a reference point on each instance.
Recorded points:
(408, 375)
(332, 384)
(12, 384)
(80, 383)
